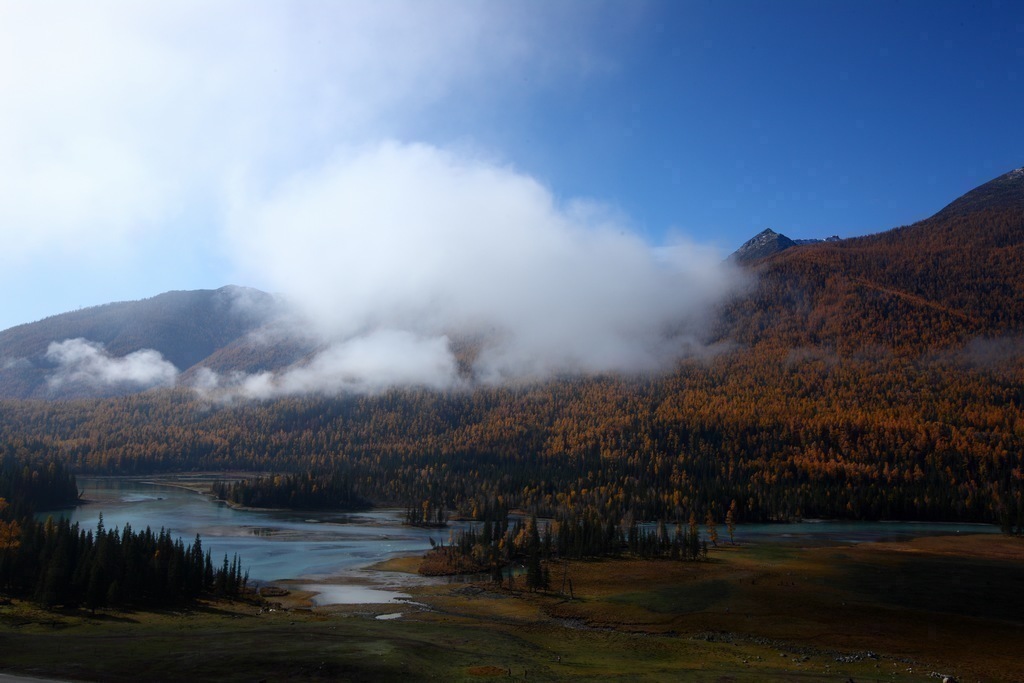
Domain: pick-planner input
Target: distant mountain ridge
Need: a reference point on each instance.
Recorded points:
(184, 327)
(941, 282)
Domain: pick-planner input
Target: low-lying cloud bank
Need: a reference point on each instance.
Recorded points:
(394, 254)
(407, 265)
(83, 362)
(161, 131)
(367, 364)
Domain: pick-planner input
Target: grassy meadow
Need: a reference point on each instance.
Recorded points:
(873, 612)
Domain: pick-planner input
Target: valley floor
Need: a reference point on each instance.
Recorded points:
(873, 612)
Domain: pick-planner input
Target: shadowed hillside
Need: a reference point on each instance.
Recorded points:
(185, 327)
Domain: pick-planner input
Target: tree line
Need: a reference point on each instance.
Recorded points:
(28, 486)
(785, 434)
(500, 544)
(324, 490)
(59, 563)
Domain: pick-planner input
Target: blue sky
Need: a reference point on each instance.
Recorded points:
(157, 146)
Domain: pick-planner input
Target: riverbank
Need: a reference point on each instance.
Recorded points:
(950, 605)
(875, 611)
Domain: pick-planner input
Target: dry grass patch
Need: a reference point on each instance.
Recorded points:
(404, 565)
(753, 613)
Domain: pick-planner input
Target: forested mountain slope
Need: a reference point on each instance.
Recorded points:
(783, 435)
(942, 282)
(879, 377)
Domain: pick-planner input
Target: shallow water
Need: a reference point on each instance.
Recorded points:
(338, 548)
(828, 531)
(348, 594)
(273, 545)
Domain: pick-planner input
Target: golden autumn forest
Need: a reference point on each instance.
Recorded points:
(879, 377)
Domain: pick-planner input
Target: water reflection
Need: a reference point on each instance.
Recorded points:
(273, 545)
(811, 532)
(339, 547)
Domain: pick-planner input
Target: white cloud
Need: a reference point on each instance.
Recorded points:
(374, 362)
(15, 363)
(122, 120)
(421, 244)
(80, 361)
(365, 364)
(125, 127)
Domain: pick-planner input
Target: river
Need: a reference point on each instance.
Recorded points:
(335, 551)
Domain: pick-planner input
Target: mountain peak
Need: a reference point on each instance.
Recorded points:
(764, 243)
(1004, 192)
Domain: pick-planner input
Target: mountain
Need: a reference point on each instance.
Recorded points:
(768, 243)
(816, 240)
(184, 327)
(870, 378)
(941, 282)
(763, 244)
(1004, 192)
